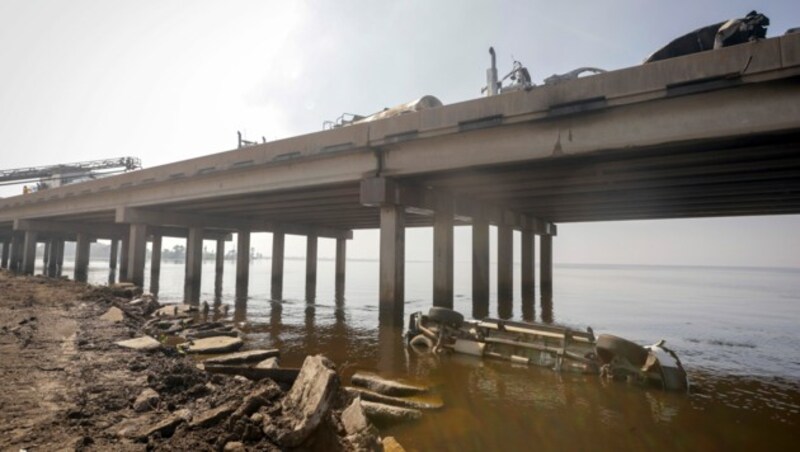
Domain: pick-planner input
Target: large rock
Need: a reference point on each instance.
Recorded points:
(216, 344)
(113, 315)
(144, 343)
(388, 414)
(361, 435)
(306, 404)
(147, 400)
(243, 357)
(387, 387)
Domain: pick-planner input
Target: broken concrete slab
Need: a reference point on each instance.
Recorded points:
(216, 344)
(168, 425)
(175, 309)
(361, 435)
(388, 414)
(372, 396)
(266, 391)
(248, 356)
(353, 418)
(144, 343)
(306, 404)
(146, 401)
(113, 315)
(385, 386)
(269, 363)
(212, 417)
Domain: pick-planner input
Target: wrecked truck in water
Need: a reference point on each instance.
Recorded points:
(558, 347)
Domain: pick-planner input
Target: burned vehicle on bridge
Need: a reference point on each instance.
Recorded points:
(560, 348)
(724, 34)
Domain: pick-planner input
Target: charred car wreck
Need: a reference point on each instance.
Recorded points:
(560, 348)
(724, 34)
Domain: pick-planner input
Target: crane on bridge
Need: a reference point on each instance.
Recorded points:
(51, 176)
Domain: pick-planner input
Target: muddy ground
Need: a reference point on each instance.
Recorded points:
(67, 386)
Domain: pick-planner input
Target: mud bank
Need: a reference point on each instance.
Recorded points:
(69, 386)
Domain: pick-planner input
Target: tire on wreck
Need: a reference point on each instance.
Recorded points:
(446, 316)
(609, 346)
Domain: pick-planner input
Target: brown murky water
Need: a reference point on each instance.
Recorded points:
(735, 329)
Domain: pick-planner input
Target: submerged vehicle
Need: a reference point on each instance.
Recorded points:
(561, 348)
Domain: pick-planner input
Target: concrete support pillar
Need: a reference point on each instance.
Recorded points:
(46, 257)
(82, 257)
(528, 290)
(51, 269)
(480, 267)
(392, 265)
(155, 264)
(505, 271)
(194, 266)
(137, 252)
(29, 253)
(311, 268)
(219, 269)
(58, 257)
(546, 265)
(443, 253)
(113, 257)
(124, 253)
(277, 265)
(341, 264)
(17, 243)
(6, 253)
(242, 264)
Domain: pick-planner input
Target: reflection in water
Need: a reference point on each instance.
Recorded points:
(547, 308)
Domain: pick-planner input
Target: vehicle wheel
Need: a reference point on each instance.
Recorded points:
(609, 346)
(446, 316)
(421, 343)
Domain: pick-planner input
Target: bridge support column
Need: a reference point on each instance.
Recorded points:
(124, 253)
(443, 253)
(528, 287)
(242, 264)
(17, 243)
(194, 266)
(480, 267)
(113, 257)
(341, 264)
(277, 265)
(81, 273)
(155, 264)
(546, 265)
(392, 265)
(57, 258)
(137, 252)
(505, 271)
(46, 257)
(311, 268)
(29, 253)
(51, 266)
(219, 269)
(6, 253)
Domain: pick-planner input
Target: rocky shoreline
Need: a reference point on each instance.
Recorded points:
(79, 384)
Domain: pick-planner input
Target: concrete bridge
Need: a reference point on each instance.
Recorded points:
(709, 134)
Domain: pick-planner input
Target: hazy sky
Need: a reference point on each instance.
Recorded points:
(170, 80)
